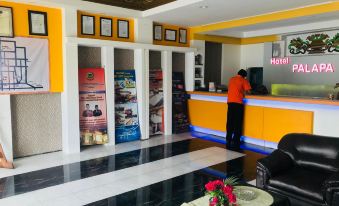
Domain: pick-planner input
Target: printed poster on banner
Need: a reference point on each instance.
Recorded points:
(92, 97)
(24, 65)
(126, 107)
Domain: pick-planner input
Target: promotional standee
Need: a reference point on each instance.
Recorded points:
(126, 107)
(156, 102)
(92, 104)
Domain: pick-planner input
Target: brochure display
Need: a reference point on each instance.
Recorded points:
(156, 102)
(24, 65)
(180, 111)
(92, 104)
(126, 107)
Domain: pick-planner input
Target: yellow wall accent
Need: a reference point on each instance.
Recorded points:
(114, 31)
(269, 124)
(211, 115)
(237, 41)
(217, 39)
(279, 122)
(253, 121)
(172, 43)
(277, 16)
(54, 20)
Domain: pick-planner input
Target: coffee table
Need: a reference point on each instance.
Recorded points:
(265, 198)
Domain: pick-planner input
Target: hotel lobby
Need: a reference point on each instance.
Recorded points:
(169, 102)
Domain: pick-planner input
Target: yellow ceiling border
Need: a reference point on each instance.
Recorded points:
(277, 16)
(237, 41)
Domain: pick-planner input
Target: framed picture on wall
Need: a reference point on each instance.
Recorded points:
(170, 35)
(278, 49)
(183, 36)
(123, 29)
(6, 19)
(157, 32)
(37, 21)
(106, 27)
(87, 25)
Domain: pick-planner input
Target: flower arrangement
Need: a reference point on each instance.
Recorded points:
(221, 192)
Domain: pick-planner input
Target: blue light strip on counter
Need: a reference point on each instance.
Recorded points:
(212, 135)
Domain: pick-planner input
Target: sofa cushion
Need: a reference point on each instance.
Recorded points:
(301, 182)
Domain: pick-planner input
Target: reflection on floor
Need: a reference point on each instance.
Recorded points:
(167, 174)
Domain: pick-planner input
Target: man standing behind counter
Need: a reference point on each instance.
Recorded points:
(237, 87)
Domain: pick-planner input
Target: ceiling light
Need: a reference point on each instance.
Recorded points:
(203, 7)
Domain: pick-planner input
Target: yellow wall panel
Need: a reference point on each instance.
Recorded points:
(279, 122)
(253, 122)
(211, 115)
(54, 20)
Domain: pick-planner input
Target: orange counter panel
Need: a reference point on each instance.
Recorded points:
(254, 121)
(279, 122)
(211, 115)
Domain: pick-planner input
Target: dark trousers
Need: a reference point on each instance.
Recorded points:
(235, 117)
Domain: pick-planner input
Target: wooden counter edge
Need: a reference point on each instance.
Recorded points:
(281, 99)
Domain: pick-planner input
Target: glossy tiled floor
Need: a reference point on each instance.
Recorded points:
(160, 171)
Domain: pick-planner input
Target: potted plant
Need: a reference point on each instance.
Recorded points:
(221, 192)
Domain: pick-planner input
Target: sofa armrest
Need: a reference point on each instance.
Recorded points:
(271, 165)
(330, 189)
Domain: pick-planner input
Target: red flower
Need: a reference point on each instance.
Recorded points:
(215, 201)
(228, 189)
(219, 184)
(210, 186)
(232, 198)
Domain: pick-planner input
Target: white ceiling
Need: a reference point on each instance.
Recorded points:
(309, 23)
(188, 13)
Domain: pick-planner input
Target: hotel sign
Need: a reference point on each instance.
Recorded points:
(305, 68)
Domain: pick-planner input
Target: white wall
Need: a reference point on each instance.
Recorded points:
(230, 61)
(252, 55)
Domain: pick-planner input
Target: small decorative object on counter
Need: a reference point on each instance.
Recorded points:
(221, 192)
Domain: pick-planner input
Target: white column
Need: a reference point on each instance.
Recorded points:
(166, 57)
(6, 138)
(70, 101)
(108, 63)
(143, 31)
(189, 71)
(141, 65)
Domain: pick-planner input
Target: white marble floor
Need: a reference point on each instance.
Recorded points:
(38, 162)
(98, 187)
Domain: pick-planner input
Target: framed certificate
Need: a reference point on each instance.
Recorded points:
(123, 29)
(87, 25)
(170, 35)
(157, 33)
(37, 23)
(6, 22)
(106, 27)
(183, 36)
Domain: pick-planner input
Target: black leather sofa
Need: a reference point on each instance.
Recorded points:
(305, 168)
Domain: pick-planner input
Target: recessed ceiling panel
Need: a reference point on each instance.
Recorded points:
(140, 5)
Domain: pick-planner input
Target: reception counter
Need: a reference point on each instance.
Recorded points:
(267, 118)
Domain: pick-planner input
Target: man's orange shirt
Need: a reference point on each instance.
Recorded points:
(236, 89)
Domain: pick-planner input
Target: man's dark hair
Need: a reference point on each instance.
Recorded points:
(242, 73)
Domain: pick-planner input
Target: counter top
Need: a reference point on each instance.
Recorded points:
(275, 98)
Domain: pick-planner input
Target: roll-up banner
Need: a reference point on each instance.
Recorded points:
(126, 107)
(92, 104)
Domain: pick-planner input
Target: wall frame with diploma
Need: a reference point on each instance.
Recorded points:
(123, 29)
(106, 27)
(37, 21)
(157, 32)
(6, 22)
(87, 25)
(183, 36)
(170, 35)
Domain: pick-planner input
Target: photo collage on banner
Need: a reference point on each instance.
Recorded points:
(156, 102)
(92, 104)
(126, 107)
(24, 65)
